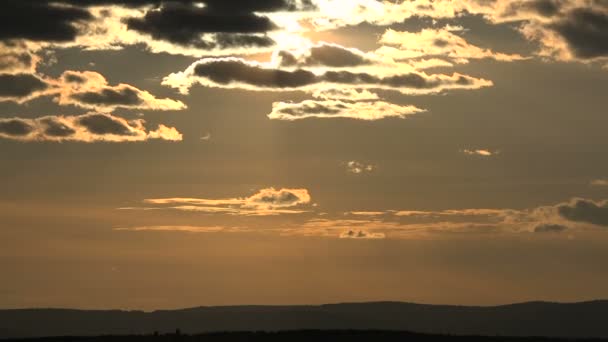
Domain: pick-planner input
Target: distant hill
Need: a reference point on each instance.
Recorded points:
(305, 336)
(576, 320)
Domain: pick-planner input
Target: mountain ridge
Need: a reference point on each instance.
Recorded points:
(587, 319)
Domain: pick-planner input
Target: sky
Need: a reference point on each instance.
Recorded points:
(170, 154)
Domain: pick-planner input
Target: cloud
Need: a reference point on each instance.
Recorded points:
(266, 202)
(183, 229)
(89, 89)
(21, 87)
(239, 73)
(341, 103)
(578, 32)
(436, 43)
(323, 54)
(86, 89)
(40, 21)
(368, 111)
(183, 24)
(356, 167)
(550, 228)
(366, 213)
(480, 152)
(361, 234)
(599, 182)
(92, 127)
(568, 30)
(586, 211)
(15, 128)
(586, 32)
(16, 60)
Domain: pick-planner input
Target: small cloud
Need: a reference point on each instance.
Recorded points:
(366, 213)
(361, 234)
(358, 167)
(206, 137)
(183, 229)
(550, 228)
(480, 152)
(599, 182)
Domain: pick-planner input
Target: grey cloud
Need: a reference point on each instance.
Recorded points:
(226, 71)
(15, 127)
(71, 77)
(105, 124)
(39, 20)
(225, 40)
(16, 87)
(361, 234)
(325, 55)
(53, 127)
(587, 211)
(90, 127)
(546, 8)
(184, 24)
(550, 228)
(586, 32)
(125, 96)
(281, 198)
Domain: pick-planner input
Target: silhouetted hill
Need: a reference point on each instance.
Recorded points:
(304, 336)
(576, 320)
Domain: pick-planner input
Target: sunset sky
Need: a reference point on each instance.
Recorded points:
(168, 154)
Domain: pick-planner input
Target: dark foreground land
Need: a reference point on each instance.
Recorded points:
(303, 336)
(568, 321)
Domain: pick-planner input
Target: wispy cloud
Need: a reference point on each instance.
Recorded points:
(599, 182)
(266, 202)
(357, 167)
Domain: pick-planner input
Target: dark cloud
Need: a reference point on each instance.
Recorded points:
(413, 80)
(547, 8)
(226, 71)
(550, 228)
(53, 127)
(586, 32)
(361, 234)
(39, 20)
(120, 96)
(226, 40)
(104, 124)
(280, 198)
(71, 77)
(583, 210)
(178, 21)
(15, 127)
(90, 127)
(20, 85)
(183, 23)
(232, 6)
(229, 72)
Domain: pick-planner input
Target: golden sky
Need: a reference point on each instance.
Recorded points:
(163, 154)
